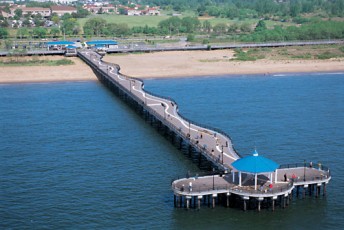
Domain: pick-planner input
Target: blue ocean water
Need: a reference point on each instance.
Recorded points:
(75, 156)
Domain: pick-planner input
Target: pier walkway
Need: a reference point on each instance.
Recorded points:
(226, 184)
(215, 145)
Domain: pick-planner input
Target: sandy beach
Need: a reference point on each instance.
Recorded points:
(167, 64)
(23, 74)
(209, 63)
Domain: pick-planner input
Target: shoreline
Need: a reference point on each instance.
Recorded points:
(277, 74)
(174, 64)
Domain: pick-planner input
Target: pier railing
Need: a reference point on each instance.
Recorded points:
(200, 148)
(178, 188)
(307, 165)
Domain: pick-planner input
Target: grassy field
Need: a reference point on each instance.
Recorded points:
(153, 21)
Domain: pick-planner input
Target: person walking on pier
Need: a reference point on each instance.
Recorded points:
(285, 177)
(190, 186)
(271, 187)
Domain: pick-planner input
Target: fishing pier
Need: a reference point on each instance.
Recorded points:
(235, 181)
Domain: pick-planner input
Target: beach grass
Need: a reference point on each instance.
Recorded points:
(13, 61)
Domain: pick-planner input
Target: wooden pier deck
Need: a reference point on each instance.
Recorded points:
(212, 145)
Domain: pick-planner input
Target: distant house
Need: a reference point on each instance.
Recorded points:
(5, 14)
(45, 12)
(151, 11)
(56, 1)
(95, 9)
(140, 10)
(132, 11)
(61, 10)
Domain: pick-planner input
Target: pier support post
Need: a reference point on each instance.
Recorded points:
(260, 199)
(291, 196)
(245, 198)
(180, 143)
(213, 200)
(304, 191)
(189, 150)
(228, 195)
(318, 190)
(297, 191)
(324, 190)
(273, 202)
(199, 202)
(283, 201)
(188, 198)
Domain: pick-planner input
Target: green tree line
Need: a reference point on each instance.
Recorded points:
(252, 8)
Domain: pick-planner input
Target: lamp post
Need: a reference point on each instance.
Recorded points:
(189, 130)
(213, 178)
(222, 153)
(304, 170)
(163, 105)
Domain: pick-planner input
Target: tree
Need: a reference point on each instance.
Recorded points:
(55, 31)
(261, 26)
(190, 37)
(207, 26)
(3, 33)
(122, 11)
(295, 8)
(38, 20)
(220, 28)
(55, 19)
(70, 26)
(81, 12)
(245, 27)
(40, 32)
(18, 13)
(233, 28)
(22, 32)
(172, 24)
(190, 24)
(26, 23)
(95, 26)
(66, 17)
(123, 29)
(4, 23)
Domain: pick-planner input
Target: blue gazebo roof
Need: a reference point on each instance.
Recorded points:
(102, 42)
(255, 164)
(59, 43)
(71, 47)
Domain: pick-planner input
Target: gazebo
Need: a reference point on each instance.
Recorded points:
(255, 164)
(59, 44)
